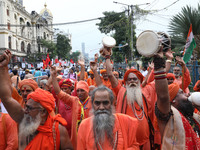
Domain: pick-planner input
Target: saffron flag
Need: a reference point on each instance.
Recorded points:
(48, 59)
(189, 46)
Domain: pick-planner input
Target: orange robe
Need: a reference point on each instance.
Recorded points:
(86, 76)
(17, 97)
(74, 103)
(91, 81)
(107, 83)
(125, 127)
(142, 135)
(196, 87)
(9, 132)
(44, 139)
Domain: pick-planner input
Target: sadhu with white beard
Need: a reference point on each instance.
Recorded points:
(39, 128)
(106, 130)
(133, 101)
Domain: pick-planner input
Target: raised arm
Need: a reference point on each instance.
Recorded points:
(163, 103)
(186, 74)
(54, 80)
(82, 64)
(169, 56)
(93, 66)
(112, 78)
(151, 66)
(12, 106)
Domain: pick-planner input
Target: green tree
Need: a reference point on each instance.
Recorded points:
(63, 46)
(179, 27)
(74, 56)
(51, 47)
(119, 24)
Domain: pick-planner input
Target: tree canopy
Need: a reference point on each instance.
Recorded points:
(179, 27)
(63, 46)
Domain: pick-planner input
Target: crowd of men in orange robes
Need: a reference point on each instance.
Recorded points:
(101, 112)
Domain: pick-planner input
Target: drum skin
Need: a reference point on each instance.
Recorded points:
(148, 43)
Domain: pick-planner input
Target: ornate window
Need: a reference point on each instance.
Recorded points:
(9, 42)
(22, 46)
(29, 48)
(8, 12)
(8, 26)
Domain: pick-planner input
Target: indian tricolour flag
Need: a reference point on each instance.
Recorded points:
(189, 46)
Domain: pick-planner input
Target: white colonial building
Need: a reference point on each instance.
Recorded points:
(20, 31)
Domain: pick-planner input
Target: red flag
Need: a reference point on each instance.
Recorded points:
(71, 61)
(47, 59)
(125, 60)
(56, 60)
(32, 66)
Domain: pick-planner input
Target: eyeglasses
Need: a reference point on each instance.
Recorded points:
(29, 108)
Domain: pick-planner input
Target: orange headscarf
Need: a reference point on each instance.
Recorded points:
(136, 72)
(171, 75)
(29, 82)
(65, 83)
(173, 90)
(91, 72)
(45, 137)
(103, 71)
(43, 97)
(82, 85)
(115, 72)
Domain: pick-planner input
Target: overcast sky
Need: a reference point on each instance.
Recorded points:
(76, 10)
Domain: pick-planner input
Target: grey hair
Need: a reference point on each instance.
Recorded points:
(103, 88)
(44, 81)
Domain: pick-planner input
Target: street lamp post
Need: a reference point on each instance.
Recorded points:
(131, 22)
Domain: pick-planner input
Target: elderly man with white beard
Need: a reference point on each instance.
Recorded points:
(106, 130)
(39, 128)
(134, 101)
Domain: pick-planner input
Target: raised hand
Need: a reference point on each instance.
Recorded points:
(151, 65)
(180, 60)
(169, 54)
(53, 71)
(5, 58)
(106, 51)
(81, 62)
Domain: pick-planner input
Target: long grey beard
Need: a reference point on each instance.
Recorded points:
(103, 124)
(27, 128)
(177, 75)
(134, 93)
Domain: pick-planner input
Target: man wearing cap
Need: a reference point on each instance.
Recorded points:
(176, 132)
(63, 109)
(39, 128)
(80, 105)
(27, 86)
(179, 100)
(134, 101)
(170, 78)
(105, 129)
(91, 80)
